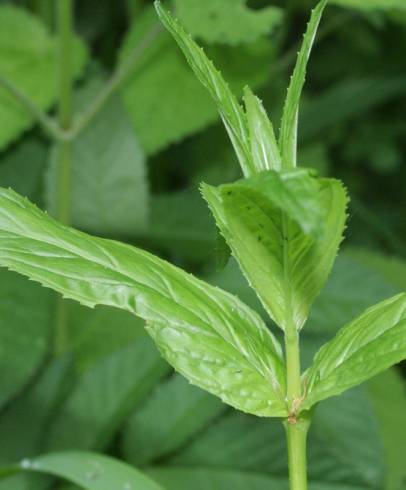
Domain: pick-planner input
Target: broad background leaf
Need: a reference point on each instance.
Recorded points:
(388, 394)
(109, 188)
(105, 394)
(26, 420)
(26, 45)
(227, 21)
(25, 319)
(153, 433)
(348, 452)
(152, 113)
(90, 471)
(371, 4)
(21, 168)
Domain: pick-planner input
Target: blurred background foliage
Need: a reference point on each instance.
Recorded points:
(135, 171)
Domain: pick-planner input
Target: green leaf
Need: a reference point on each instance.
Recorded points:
(340, 302)
(104, 396)
(264, 147)
(21, 168)
(25, 322)
(284, 230)
(388, 394)
(90, 471)
(152, 432)
(97, 333)
(230, 110)
(161, 63)
(208, 335)
(237, 441)
(371, 4)
(368, 345)
(288, 131)
(180, 225)
(349, 450)
(392, 268)
(25, 421)
(27, 47)
(227, 21)
(330, 108)
(109, 189)
(201, 478)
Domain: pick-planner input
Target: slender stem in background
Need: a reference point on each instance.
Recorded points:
(114, 82)
(64, 19)
(64, 16)
(46, 122)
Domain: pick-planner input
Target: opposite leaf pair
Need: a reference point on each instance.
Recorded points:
(284, 227)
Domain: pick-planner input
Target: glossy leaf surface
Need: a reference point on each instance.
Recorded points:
(368, 345)
(90, 471)
(264, 147)
(288, 132)
(207, 334)
(284, 230)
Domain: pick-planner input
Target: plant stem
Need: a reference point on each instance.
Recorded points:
(296, 426)
(47, 123)
(294, 385)
(114, 82)
(64, 148)
(296, 434)
(64, 18)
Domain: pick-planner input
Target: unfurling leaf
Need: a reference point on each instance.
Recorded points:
(264, 147)
(368, 345)
(288, 132)
(251, 133)
(230, 110)
(284, 230)
(208, 335)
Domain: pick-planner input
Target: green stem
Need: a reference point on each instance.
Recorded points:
(296, 434)
(47, 123)
(294, 385)
(64, 148)
(296, 425)
(64, 18)
(118, 77)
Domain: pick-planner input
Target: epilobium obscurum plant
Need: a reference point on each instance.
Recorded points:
(283, 225)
